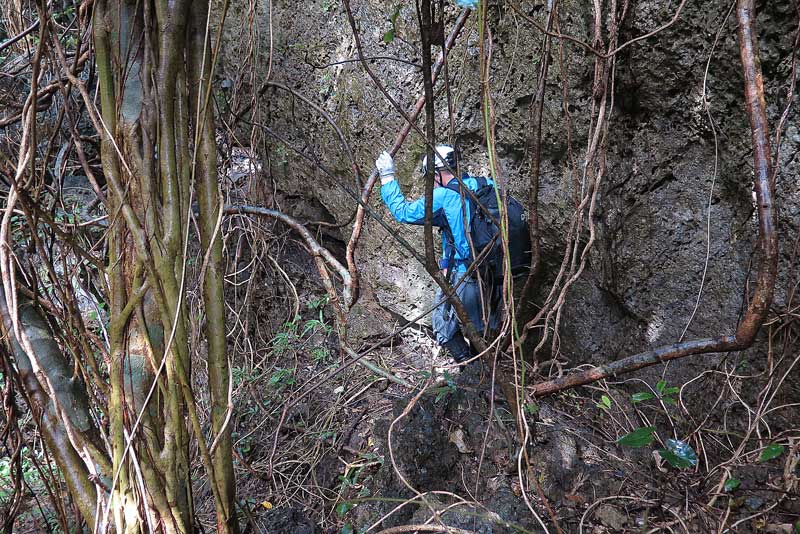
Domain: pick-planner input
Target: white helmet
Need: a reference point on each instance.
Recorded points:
(445, 157)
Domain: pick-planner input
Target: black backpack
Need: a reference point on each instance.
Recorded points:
(484, 233)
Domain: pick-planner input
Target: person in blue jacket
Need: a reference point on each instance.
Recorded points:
(451, 214)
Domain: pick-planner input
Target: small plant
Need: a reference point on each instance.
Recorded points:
(448, 388)
(390, 34)
(320, 355)
(328, 435)
(605, 403)
(326, 85)
(638, 438)
(29, 474)
(664, 394)
(280, 155)
(318, 304)
(314, 325)
(678, 454)
(242, 375)
(318, 324)
(281, 378)
(732, 484)
(284, 339)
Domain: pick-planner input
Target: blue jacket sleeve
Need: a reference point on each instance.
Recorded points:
(447, 211)
(411, 212)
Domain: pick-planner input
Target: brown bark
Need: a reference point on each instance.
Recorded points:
(213, 268)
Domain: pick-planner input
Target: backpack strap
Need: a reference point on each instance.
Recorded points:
(451, 258)
(454, 185)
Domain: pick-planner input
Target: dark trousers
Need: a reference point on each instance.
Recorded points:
(445, 321)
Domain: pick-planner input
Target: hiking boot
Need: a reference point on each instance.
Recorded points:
(458, 349)
(461, 358)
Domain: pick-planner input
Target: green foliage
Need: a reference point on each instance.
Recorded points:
(320, 355)
(678, 454)
(17, 228)
(281, 378)
(284, 339)
(642, 396)
(244, 446)
(732, 484)
(314, 325)
(318, 304)
(29, 474)
(443, 391)
(531, 408)
(390, 34)
(605, 403)
(63, 15)
(344, 507)
(328, 434)
(664, 394)
(318, 324)
(638, 438)
(770, 452)
(280, 155)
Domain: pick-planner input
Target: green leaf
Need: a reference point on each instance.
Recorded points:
(531, 408)
(671, 390)
(642, 396)
(347, 528)
(672, 459)
(771, 451)
(389, 36)
(731, 484)
(393, 16)
(605, 403)
(344, 507)
(660, 386)
(638, 438)
(441, 392)
(670, 401)
(678, 454)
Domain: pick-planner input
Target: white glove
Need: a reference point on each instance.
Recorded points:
(385, 165)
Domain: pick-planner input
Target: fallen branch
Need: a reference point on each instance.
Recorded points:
(424, 528)
(768, 240)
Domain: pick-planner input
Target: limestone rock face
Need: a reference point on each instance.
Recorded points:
(676, 172)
